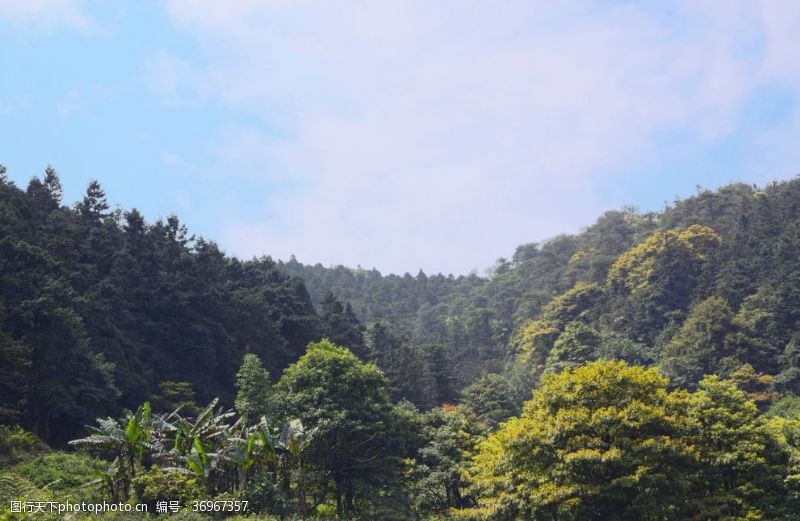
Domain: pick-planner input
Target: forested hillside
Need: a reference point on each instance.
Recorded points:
(645, 368)
(643, 287)
(100, 310)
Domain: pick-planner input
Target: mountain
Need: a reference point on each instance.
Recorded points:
(100, 310)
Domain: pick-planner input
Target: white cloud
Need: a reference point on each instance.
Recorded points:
(442, 134)
(23, 15)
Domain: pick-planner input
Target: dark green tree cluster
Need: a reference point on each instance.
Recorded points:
(98, 309)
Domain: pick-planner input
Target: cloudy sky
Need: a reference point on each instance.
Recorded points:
(397, 135)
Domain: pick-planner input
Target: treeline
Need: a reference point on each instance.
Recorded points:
(100, 310)
(103, 310)
(474, 318)
(707, 286)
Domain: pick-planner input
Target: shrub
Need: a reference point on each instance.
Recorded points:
(16, 442)
(164, 485)
(59, 472)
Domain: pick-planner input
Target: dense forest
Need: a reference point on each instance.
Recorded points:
(647, 368)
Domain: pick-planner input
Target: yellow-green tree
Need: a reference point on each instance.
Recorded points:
(742, 465)
(609, 441)
(655, 281)
(598, 442)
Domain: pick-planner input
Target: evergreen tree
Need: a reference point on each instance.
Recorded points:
(490, 399)
(52, 184)
(253, 388)
(703, 339)
(575, 346)
(341, 325)
(94, 207)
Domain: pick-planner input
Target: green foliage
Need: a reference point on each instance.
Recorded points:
(100, 310)
(760, 388)
(577, 304)
(253, 388)
(491, 399)
(408, 371)
(576, 345)
(656, 280)
(741, 464)
(615, 346)
(639, 267)
(16, 442)
(608, 441)
(126, 442)
(54, 476)
(343, 404)
(341, 325)
(699, 344)
(435, 477)
(174, 395)
(163, 485)
(787, 406)
(58, 472)
(599, 441)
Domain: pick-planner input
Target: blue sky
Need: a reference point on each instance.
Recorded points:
(397, 135)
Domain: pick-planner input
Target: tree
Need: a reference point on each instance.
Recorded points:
(94, 207)
(761, 332)
(343, 404)
(741, 464)
(490, 399)
(404, 364)
(654, 282)
(439, 363)
(68, 382)
(614, 346)
(757, 386)
(575, 346)
(52, 184)
(176, 395)
(44, 196)
(577, 304)
(253, 388)
(126, 441)
(597, 442)
(15, 371)
(438, 482)
(341, 325)
(701, 342)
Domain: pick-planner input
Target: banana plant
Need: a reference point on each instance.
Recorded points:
(112, 481)
(127, 441)
(250, 445)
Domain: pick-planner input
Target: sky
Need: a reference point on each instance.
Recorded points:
(397, 135)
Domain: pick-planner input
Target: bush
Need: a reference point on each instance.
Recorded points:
(16, 442)
(163, 485)
(60, 472)
(264, 495)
